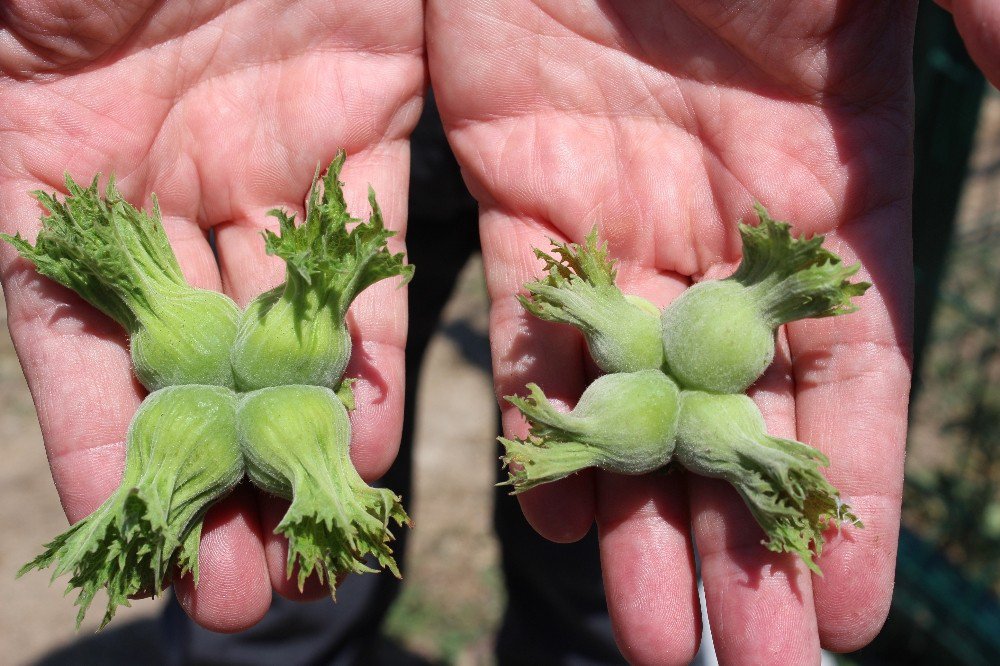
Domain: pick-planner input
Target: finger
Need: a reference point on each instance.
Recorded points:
(526, 349)
(648, 565)
(561, 511)
(852, 377)
(377, 321)
(760, 603)
(978, 21)
(233, 590)
(61, 356)
(644, 524)
(60, 340)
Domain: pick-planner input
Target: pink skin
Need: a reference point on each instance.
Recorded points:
(978, 21)
(662, 123)
(224, 111)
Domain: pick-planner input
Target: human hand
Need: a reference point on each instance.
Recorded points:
(662, 123)
(978, 21)
(223, 111)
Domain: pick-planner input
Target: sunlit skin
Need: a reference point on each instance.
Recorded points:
(662, 123)
(659, 122)
(224, 110)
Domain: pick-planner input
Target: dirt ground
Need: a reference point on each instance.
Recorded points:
(930, 443)
(953, 464)
(451, 599)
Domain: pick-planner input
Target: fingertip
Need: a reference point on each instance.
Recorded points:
(850, 628)
(846, 627)
(657, 647)
(562, 511)
(855, 592)
(234, 590)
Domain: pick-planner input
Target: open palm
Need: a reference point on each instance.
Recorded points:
(223, 110)
(661, 123)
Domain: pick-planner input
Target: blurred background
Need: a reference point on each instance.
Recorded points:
(945, 608)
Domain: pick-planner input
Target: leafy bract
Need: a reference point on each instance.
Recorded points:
(181, 457)
(724, 436)
(296, 443)
(794, 278)
(623, 422)
(296, 333)
(718, 336)
(119, 260)
(622, 332)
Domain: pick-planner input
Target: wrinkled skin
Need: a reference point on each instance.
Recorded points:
(224, 110)
(662, 123)
(659, 121)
